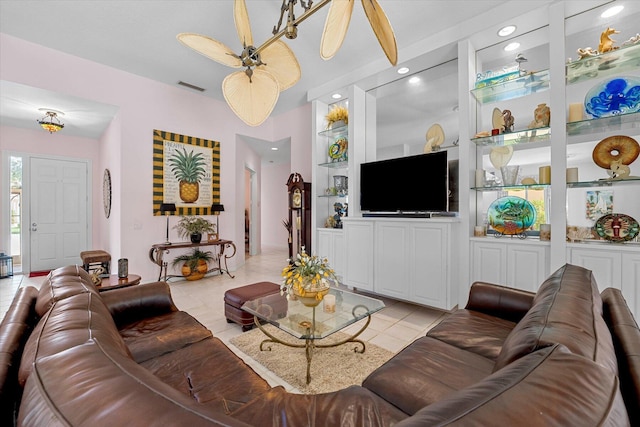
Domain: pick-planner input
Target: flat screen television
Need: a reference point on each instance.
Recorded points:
(410, 184)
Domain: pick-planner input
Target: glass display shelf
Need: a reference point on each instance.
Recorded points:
(342, 196)
(604, 65)
(333, 132)
(519, 137)
(335, 165)
(603, 182)
(525, 85)
(604, 124)
(511, 187)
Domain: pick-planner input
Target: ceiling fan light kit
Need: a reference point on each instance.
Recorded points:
(272, 67)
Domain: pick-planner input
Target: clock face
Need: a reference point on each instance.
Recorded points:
(296, 198)
(106, 192)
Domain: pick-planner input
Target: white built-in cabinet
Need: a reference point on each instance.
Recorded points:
(331, 246)
(521, 264)
(408, 259)
(612, 267)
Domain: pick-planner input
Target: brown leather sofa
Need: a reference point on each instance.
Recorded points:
(73, 356)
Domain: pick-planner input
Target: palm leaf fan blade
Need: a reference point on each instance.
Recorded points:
(382, 28)
(210, 48)
(251, 100)
(335, 27)
(243, 25)
(282, 63)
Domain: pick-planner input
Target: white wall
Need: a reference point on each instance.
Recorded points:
(126, 147)
(274, 190)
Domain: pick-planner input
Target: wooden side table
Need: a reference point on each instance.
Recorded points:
(114, 282)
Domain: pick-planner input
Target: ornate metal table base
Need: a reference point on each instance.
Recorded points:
(310, 342)
(156, 255)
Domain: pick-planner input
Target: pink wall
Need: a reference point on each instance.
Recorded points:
(126, 147)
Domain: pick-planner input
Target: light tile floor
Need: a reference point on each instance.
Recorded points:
(393, 327)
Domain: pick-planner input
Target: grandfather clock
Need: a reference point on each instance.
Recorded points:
(299, 214)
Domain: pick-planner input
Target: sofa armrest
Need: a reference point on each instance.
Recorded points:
(138, 302)
(500, 301)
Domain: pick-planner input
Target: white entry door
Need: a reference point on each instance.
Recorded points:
(58, 212)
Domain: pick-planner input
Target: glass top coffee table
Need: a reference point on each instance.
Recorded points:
(312, 323)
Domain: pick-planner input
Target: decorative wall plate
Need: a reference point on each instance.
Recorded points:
(511, 215)
(614, 97)
(106, 192)
(617, 227)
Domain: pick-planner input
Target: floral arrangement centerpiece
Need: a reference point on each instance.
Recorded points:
(337, 114)
(308, 278)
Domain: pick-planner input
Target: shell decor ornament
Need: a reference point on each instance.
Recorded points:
(272, 67)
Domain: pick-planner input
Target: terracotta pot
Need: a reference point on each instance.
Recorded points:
(197, 274)
(542, 114)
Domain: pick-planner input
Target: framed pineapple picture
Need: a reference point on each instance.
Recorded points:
(186, 172)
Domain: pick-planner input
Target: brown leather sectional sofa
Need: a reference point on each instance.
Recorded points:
(70, 355)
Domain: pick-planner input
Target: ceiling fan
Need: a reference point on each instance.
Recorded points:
(272, 67)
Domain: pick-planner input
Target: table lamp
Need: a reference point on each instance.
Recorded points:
(164, 208)
(217, 208)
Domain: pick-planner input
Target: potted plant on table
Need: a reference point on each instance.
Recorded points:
(193, 227)
(195, 264)
(308, 278)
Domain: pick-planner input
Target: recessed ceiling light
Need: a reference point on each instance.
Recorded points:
(274, 148)
(336, 96)
(612, 11)
(511, 46)
(403, 70)
(414, 80)
(505, 31)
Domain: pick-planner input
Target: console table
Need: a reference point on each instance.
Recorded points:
(157, 251)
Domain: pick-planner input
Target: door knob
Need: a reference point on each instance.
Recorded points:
(34, 226)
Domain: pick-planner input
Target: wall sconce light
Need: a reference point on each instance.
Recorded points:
(50, 121)
(217, 208)
(164, 208)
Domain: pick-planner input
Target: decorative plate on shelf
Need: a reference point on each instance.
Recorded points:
(617, 227)
(338, 150)
(511, 215)
(613, 97)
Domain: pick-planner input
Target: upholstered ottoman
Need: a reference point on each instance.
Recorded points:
(234, 298)
(93, 259)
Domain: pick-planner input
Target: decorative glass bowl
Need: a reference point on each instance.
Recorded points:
(614, 97)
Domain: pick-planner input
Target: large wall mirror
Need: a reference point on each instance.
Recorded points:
(407, 108)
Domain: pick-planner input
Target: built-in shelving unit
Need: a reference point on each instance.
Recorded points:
(548, 37)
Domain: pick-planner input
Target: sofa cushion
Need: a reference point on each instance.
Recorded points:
(93, 385)
(550, 387)
(353, 406)
(14, 331)
(473, 331)
(62, 283)
(568, 310)
(154, 336)
(626, 336)
(70, 322)
(426, 371)
(209, 373)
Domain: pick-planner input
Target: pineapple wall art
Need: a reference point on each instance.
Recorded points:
(186, 172)
(189, 168)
